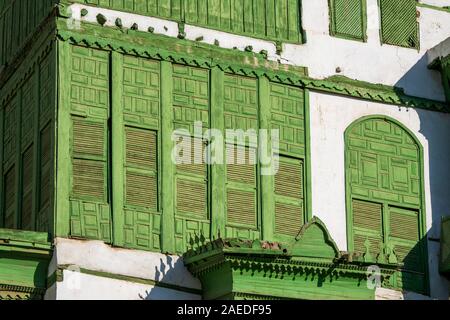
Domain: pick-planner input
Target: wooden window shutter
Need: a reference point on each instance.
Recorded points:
(289, 197)
(241, 187)
(27, 189)
(141, 162)
(89, 159)
(9, 198)
(348, 19)
(367, 226)
(192, 185)
(45, 166)
(405, 236)
(399, 24)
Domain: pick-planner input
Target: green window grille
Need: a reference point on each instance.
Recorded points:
(348, 19)
(399, 24)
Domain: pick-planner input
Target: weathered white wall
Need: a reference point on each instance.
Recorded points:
(80, 286)
(330, 117)
(98, 257)
(438, 3)
(323, 54)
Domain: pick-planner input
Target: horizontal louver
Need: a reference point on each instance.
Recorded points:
(405, 236)
(141, 190)
(141, 155)
(9, 198)
(141, 148)
(88, 179)
(241, 165)
(288, 180)
(374, 244)
(194, 164)
(88, 138)
(404, 224)
(191, 198)
(289, 206)
(288, 219)
(367, 220)
(27, 188)
(241, 207)
(367, 215)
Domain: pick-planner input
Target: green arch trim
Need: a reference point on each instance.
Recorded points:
(422, 206)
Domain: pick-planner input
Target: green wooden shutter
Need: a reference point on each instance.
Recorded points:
(399, 23)
(27, 189)
(289, 197)
(45, 167)
(348, 18)
(9, 198)
(367, 226)
(191, 187)
(141, 177)
(89, 163)
(405, 236)
(241, 188)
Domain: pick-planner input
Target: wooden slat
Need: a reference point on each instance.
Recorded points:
(89, 179)
(141, 148)
(241, 207)
(288, 219)
(367, 215)
(141, 190)
(191, 198)
(289, 180)
(88, 138)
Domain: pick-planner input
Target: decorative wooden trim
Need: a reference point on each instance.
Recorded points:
(168, 201)
(243, 63)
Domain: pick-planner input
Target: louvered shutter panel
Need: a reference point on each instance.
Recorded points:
(27, 189)
(141, 163)
(191, 185)
(89, 163)
(347, 18)
(9, 198)
(404, 235)
(367, 225)
(399, 23)
(241, 187)
(289, 199)
(45, 167)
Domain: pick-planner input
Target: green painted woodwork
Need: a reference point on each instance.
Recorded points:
(140, 136)
(19, 22)
(90, 214)
(266, 19)
(26, 171)
(308, 267)
(385, 197)
(444, 266)
(191, 103)
(399, 24)
(184, 51)
(348, 19)
(24, 260)
(168, 184)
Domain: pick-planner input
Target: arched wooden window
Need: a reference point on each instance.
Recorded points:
(385, 200)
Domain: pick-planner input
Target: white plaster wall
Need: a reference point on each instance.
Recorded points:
(330, 117)
(79, 286)
(98, 256)
(323, 54)
(438, 3)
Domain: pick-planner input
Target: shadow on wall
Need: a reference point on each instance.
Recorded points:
(437, 133)
(167, 272)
